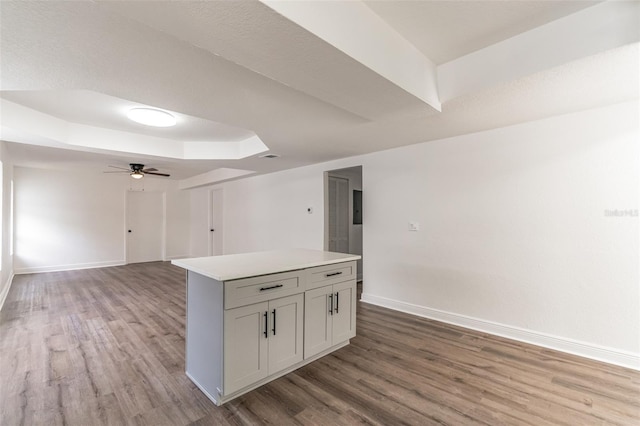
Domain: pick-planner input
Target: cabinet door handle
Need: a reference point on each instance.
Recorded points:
(266, 324)
(274, 322)
(333, 274)
(337, 301)
(271, 287)
(331, 304)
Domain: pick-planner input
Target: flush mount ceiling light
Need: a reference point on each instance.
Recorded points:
(151, 117)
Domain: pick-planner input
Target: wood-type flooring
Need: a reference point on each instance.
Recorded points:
(106, 347)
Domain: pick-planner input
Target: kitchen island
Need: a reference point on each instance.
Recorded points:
(254, 317)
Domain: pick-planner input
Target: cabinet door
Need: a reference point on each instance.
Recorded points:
(245, 351)
(285, 332)
(344, 311)
(317, 321)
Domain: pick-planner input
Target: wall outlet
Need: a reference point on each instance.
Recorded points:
(414, 226)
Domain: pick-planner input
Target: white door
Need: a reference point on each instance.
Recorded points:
(215, 222)
(145, 217)
(344, 311)
(285, 334)
(246, 344)
(338, 214)
(317, 321)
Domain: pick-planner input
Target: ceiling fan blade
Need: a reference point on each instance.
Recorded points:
(121, 168)
(154, 173)
(124, 171)
(150, 169)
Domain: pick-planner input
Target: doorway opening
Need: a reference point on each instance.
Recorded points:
(343, 212)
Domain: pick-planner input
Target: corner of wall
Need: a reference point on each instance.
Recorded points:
(583, 349)
(6, 286)
(68, 267)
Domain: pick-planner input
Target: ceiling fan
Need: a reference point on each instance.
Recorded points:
(137, 171)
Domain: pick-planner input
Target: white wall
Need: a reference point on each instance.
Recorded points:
(514, 239)
(177, 208)
(513, 231)
(6, 262)
(199, 218)
(270, 211)
(67, 221)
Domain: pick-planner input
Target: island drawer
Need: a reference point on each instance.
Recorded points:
(330, 274)
(258, 289)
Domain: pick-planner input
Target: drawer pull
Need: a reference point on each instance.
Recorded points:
(333, 274)
(274, 322)
(266, 324)
(272, 287)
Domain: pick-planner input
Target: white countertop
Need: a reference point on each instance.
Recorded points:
(235, 266)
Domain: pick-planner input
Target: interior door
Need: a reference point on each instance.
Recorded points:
(145, 217)
(338, 214)
(215, 223)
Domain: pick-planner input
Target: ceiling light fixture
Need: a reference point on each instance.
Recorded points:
(137, 174)
(152, 117)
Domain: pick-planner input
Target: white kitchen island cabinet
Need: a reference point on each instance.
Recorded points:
(262, 339)
(254, 317)
(329, 318)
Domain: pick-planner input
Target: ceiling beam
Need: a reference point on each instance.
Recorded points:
(340, 53)
(596, 29)
(213, 177)
(355, 30)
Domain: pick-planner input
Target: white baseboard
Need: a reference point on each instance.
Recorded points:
(180, 256)
(5, 290)
(71, 267)
(587, 350)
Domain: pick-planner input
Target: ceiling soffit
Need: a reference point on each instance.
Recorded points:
(298, 77)
(309, 46)
(35, 126)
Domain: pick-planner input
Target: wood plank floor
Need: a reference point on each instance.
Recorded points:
(106, 346)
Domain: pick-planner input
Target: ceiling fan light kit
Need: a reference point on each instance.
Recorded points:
(151, 117)
(137, 171)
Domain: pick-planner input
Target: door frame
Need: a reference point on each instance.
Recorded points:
(336, 172)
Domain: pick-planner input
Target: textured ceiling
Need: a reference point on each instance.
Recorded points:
(92, 108)
(252, 35)
(446, 30)
(238, 67)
